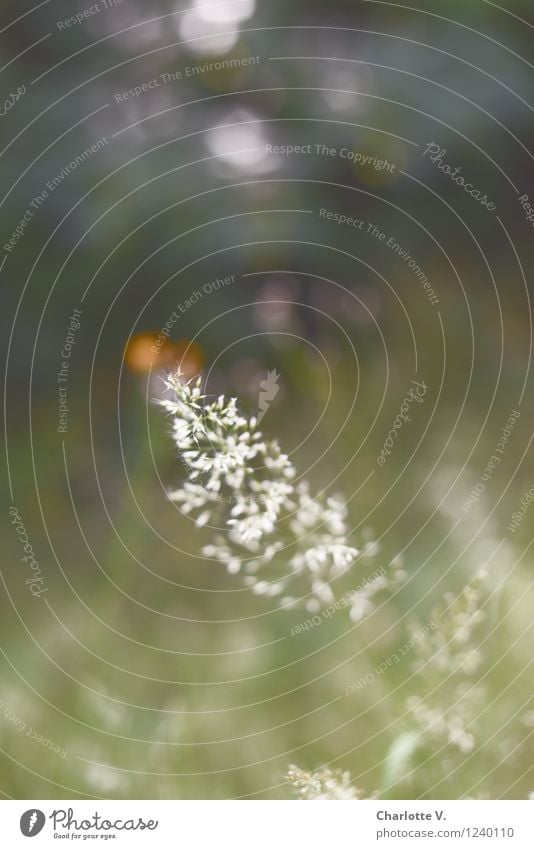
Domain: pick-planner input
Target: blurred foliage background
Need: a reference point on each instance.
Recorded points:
(143, 655)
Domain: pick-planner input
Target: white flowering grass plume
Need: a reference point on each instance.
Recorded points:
(288, 543)
(325, 784)
(446, 663)
(441, 710)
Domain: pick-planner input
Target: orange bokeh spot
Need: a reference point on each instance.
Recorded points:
(146, 351)
(143, 352)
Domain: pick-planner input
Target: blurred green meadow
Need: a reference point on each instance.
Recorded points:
(145, 670)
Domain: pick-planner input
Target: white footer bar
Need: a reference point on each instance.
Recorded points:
(268, 825)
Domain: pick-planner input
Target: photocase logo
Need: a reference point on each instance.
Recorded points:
(32, 822)
(269, 390)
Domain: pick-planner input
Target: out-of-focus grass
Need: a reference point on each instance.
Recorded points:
(162, 664)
